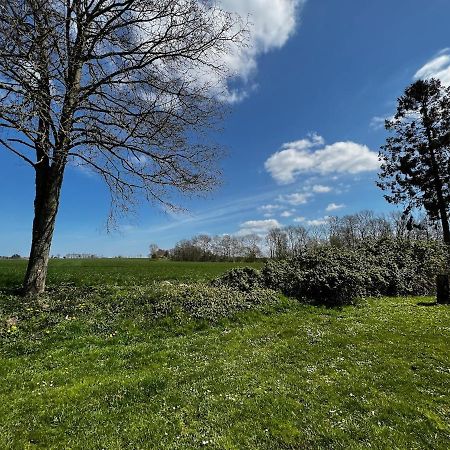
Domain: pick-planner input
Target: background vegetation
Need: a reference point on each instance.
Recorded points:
(280, 243)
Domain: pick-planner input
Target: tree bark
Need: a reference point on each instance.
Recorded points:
(49, 178)
(445, 226)
(443, 289)
(48, 189)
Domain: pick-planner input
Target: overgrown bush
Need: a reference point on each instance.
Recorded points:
(401, 266)
(324, 275)
(101, 307)
(244, 279)
(329, 276)
(333, 275)
(280, 275)
(202, 301)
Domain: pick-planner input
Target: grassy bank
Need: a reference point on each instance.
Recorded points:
(289, 377)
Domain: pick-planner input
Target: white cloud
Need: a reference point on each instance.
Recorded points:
(321, 189)
(300, 219)
(269, 207)
(377, 122)
(303, 156)
(298, 198)
(260, 227)
(334, 207)
(261, 224)
(437, 67)
(287, 214)
(313, 140)
(317, 222)
(271, 24)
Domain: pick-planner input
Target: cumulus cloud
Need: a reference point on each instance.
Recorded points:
(334, 207)
(300, 219)
(311, 155)
(287, 214)
(437, 67)
(271, 24)
(321, 189)
(260, 227)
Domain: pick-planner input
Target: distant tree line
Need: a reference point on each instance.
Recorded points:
(219, 248)
(350, 230)
(286, 242)
(76, 256)
(15, 256)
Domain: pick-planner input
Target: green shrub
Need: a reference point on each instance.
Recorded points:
(325, 275)
(402, 267)
(333, 275)
(278, 275)
(328, 276)
(244, 279)
(202, 301)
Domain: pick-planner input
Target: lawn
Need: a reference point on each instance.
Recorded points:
(289, 377)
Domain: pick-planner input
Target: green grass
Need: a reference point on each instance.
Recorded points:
(116, 271)
(293, 377)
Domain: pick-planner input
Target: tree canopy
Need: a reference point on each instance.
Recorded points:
(415, 168)
(126, 88)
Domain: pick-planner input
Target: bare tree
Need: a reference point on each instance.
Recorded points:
(203, 241)
(118, 86)
(153, 250)
(277, 241)
(251, 246)
(298, 239)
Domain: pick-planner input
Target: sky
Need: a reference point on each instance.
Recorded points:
(305, 124)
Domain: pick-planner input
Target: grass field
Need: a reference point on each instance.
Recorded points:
(290, 377)
(116, 271)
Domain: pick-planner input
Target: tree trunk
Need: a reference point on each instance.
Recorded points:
(443, 289)
(48, 188)
(443, 279)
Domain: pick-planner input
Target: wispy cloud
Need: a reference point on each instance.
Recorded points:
(334, 207)
(295, 199)
(227, 211)
(269, 208)
(377, 122)
(437, 67)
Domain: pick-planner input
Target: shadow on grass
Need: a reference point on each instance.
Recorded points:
(427, 303)
(11, 290)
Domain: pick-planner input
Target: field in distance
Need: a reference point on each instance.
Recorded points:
(118, 271)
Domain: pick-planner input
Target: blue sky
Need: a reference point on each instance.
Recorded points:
(302, 135)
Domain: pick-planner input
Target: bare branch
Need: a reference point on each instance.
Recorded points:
(20, 155)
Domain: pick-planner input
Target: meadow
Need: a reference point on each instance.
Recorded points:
(102, 374)
(120, 271)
